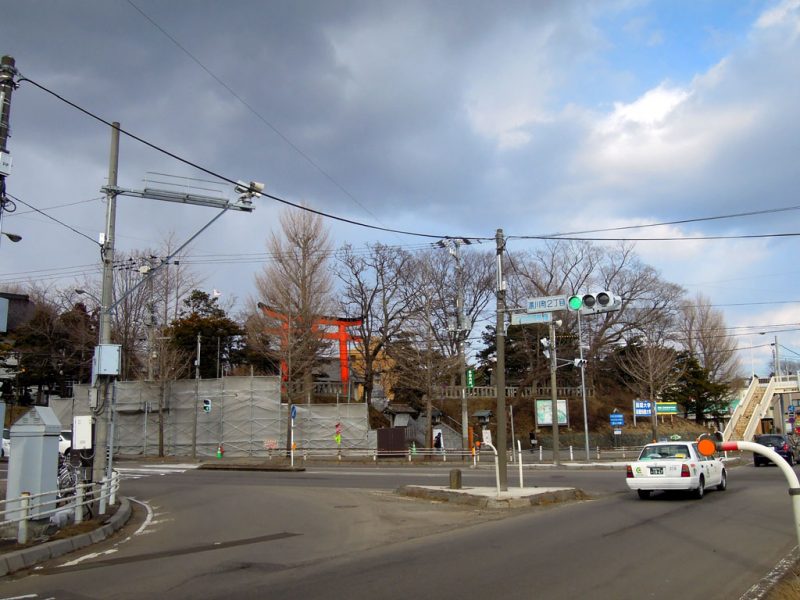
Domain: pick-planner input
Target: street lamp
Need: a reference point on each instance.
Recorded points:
(90, 294)
(12, 236)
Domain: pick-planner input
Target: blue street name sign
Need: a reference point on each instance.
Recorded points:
(294, 412)
(527, 319)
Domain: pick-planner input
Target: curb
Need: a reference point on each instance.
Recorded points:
(28, 557)
(444, 495)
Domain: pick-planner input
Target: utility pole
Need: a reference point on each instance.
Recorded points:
(196, 398)
(500, 376)
(554, 393)
(453, 246)
(101, 449)
(7, 85)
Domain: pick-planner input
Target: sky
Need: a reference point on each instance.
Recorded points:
(441, 118)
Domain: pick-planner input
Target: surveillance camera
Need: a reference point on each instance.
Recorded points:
(241, 187)
(256, 187)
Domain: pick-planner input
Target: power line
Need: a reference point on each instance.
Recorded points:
(258, 115)
(54, 219)
(233, 182)
(658, 239)
(681, 221)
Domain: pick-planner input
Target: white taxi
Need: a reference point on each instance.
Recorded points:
(675, 466)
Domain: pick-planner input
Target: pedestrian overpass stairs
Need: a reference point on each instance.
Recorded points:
(759, 397)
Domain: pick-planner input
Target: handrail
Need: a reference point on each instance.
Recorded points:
(730, 427)
(47, 504)
(759, 411)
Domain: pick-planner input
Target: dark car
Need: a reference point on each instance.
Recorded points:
(784, 445)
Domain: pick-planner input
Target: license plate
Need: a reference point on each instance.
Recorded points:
(656, 470)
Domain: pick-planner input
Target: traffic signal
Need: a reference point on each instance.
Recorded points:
(594, 302)
(545, 347)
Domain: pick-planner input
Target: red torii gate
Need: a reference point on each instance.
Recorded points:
(340, 334)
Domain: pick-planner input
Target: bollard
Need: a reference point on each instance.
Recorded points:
(79, 492)
(24, 506)
(540, 454)
(571, 456)
(374, 456)
(455, 479)
(474, 459)
(103, 497)
(598, 453)
(409, 455)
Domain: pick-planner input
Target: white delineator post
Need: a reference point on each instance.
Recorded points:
(496, 466)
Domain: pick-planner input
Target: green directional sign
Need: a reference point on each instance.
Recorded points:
(470, 378)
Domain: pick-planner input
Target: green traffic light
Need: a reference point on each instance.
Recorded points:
(575, 303)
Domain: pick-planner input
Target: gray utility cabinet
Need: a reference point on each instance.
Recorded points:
(33, 460)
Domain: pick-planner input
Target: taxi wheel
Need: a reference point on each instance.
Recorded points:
(723, 483)
(701, 488)
(643, 494)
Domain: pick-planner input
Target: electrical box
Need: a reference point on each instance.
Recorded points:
(5, 164)
(3, 315)
(82, 432)
(33, 460)
(107, 359)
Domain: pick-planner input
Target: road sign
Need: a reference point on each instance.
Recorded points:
(616, 419)
(294, 412)
(529, 318)
(470, 378)
(618, 432)
(207, 405)
(546, 304)
(641, 408)
(667, 408)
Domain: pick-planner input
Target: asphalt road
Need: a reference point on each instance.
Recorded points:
(341, 532)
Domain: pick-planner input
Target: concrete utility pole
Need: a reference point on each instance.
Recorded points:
(7, 85)
(500, 376)
(101, 449)
(453, 246)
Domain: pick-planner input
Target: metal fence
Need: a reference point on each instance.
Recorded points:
(60, 506)
(246, 418)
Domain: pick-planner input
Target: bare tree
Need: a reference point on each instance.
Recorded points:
(295, 291)
(705, 337)
(375, 288)
(172, 363)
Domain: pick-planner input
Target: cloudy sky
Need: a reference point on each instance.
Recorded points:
(444, 118)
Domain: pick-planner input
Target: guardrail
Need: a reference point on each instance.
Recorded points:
(420, 454)
(59, 506)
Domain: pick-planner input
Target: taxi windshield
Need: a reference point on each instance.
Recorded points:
(670, 451)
